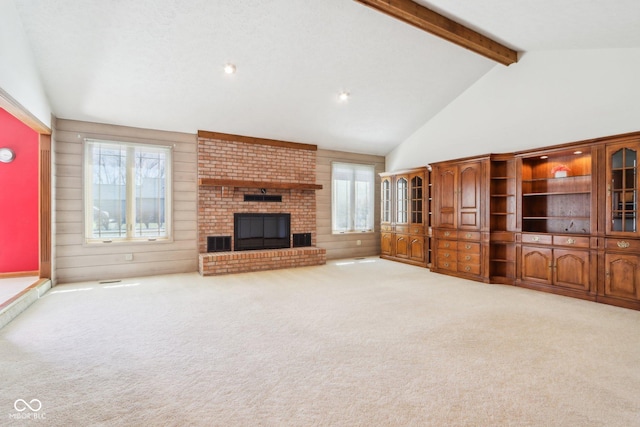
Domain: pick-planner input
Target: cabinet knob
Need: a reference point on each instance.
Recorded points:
(535, 238)
(447, 254)
(446, 245)
(623, 244)
(467, 246)
(468, 235)
(467, 258)
(571, 241)
(447, 234)
(446, 264)
(467, 268)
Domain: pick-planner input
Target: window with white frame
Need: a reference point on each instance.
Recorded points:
(127, 191)
(352, 194)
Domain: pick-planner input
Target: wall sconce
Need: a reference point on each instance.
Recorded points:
(7, 155)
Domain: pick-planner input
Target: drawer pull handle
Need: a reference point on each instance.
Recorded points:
(467, 258)
(467, 246)
(467, 268)
(446, 245)
(535, 238)
(447, 234)
(446, 265)
(623, 244)
(468, 235)
(571, 241)
(447, 255)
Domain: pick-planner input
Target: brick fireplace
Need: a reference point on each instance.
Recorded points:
(246, 175)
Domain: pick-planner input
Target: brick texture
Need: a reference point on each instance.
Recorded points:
(235, 160)
(211, 264)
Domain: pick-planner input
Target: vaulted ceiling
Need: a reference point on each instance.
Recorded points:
(159, 63)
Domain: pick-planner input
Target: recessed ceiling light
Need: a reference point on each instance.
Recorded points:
(344, 96)
(229, 68)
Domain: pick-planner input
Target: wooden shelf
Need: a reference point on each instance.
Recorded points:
(212, 182)
(555, 193)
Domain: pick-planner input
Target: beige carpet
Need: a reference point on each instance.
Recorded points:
(361, 343)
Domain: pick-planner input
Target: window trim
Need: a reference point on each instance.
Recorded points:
(372, 202)
(87, 202)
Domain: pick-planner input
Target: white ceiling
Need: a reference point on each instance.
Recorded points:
(159, 63)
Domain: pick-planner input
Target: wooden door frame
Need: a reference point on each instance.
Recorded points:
(17, 110)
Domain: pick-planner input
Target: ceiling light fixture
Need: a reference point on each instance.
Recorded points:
(577, 152)
(344, 96)
(230, 69)
(544, 157)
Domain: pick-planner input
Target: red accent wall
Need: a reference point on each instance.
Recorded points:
(19, 197)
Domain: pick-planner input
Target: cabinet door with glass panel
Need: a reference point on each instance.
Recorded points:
(622, 189)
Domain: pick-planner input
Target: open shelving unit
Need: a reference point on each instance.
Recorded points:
(502, 194)
(556, 193)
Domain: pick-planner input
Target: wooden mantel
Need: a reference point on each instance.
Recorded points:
(214, 182)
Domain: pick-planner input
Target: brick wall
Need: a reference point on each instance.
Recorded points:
(226, 158)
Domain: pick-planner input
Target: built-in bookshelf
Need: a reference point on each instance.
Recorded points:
(502, 217)
(556, 193)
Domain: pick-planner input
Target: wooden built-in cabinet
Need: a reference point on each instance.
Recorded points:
(620, 259)
(404, 204)
(556, 251)
(459, 238)
(562, 219)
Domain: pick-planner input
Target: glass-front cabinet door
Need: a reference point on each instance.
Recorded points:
(386, 200)
(622, 189)
(402, 201)
(417, 199)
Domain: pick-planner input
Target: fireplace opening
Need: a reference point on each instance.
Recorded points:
(261, 231)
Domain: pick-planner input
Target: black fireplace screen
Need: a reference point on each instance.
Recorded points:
(261, 231)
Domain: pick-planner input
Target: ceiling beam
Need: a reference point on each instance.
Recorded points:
(434, 23)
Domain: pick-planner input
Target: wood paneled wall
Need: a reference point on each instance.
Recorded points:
(75, 261)
(345, 245)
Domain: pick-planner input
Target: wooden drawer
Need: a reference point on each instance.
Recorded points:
(446, 234)
(403, 228)
(469, 268)
(447, 244)
(448, 255)
(622, 244)
(539, 239)
(469, 247)
(416, 229)
(468, 235)
(445, 264)
(573, 241)
(468, 258)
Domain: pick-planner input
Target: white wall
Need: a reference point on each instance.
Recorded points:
(19, 77)
(546, 98)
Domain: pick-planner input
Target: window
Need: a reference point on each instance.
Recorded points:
(127, 191)
(352, 192)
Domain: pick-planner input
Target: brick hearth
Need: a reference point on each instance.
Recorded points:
(215, 263)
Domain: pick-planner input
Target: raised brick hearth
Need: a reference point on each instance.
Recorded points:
(232, 166)
(215, 263)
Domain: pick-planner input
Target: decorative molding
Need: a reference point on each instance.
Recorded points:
(213, 182)
(253, 140)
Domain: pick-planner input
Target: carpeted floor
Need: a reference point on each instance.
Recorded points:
(353, 343)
